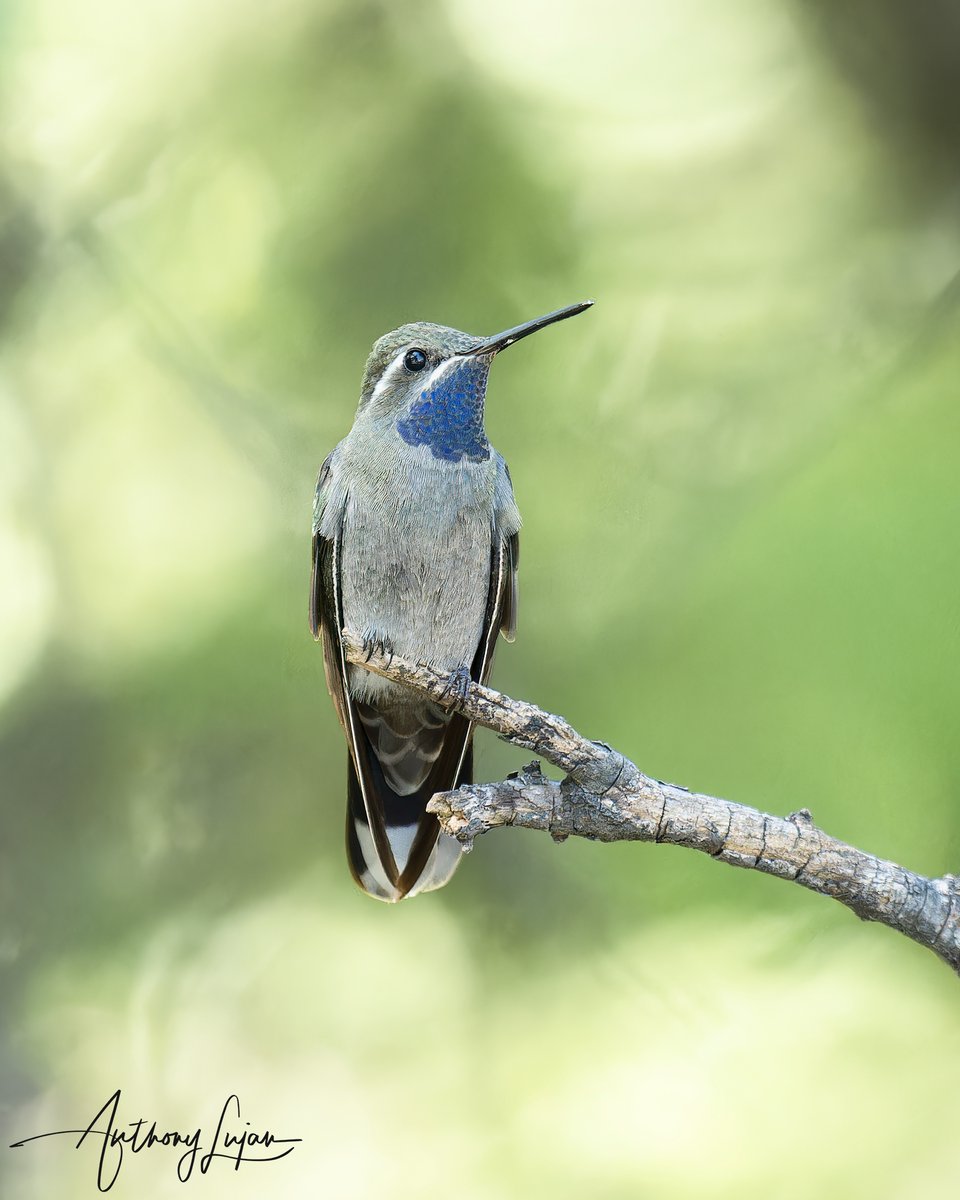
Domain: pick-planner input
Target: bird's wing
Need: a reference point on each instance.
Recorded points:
(365, 782)
(508, 616)
(506, 527)
(383, 825)
(324, 603)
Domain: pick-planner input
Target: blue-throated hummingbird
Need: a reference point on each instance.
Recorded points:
(415, 549)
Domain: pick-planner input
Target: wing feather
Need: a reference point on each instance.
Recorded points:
(374, 810)
(326, 617)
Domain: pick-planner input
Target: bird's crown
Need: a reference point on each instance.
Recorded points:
(437, 342)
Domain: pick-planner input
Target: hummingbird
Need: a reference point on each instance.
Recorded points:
(415, 550)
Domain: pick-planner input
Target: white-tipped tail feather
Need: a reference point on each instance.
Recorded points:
(369, 870)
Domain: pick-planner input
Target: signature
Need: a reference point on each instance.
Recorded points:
(115, 1141)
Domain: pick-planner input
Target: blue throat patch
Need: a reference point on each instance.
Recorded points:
(449, 417)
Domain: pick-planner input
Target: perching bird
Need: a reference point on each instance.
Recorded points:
(415, 545)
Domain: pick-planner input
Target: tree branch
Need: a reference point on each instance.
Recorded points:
(605, 797)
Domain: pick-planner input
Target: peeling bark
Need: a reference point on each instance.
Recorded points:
(606, 798)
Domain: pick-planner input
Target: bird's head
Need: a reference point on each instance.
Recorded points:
(430, 382)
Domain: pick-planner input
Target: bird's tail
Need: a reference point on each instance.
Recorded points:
(399, 850)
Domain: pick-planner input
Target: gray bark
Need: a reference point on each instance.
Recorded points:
(605, 797)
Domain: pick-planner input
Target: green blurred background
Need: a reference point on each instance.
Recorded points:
(740, 479)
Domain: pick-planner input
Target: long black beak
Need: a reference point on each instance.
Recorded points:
(500, 341)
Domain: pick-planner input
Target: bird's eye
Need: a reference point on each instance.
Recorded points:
(415, 360)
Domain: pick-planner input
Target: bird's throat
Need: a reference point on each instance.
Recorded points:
(448, 414)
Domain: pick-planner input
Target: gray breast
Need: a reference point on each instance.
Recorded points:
(415, 560)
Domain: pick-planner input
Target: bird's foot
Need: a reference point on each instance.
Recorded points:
(376, 643)
(456, 688)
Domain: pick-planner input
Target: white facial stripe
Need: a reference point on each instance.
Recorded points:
(396, 367)
(387, 377)
(438, 373)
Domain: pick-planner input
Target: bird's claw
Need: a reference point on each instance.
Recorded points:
(376, 644)
(456, 688)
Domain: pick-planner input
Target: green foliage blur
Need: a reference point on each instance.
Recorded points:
(740, 481)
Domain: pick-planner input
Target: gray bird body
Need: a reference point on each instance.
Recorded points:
(417, 533)
(415, 550)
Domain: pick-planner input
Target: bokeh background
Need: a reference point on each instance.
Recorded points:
(740, 478)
